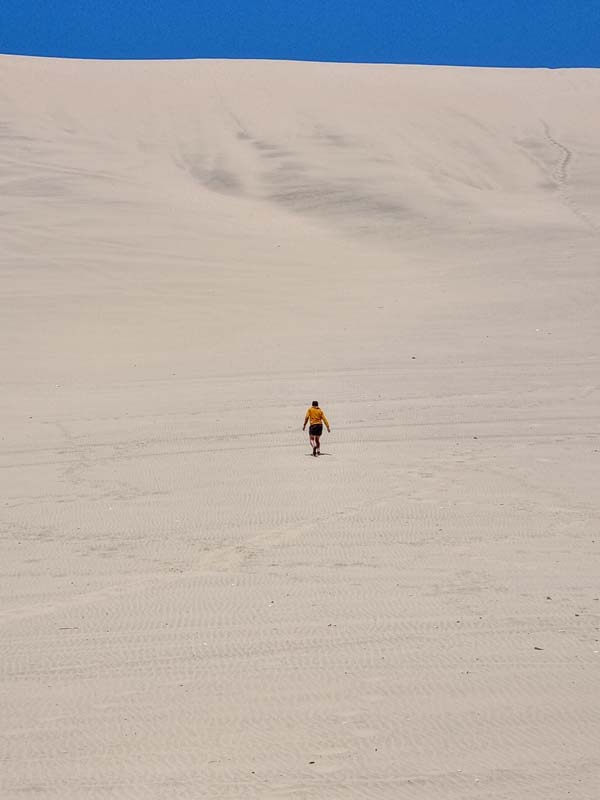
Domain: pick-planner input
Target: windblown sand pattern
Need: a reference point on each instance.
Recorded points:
(192, 607)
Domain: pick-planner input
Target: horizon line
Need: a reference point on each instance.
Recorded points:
(135, 59)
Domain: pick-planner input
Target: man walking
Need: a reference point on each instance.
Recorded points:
(315, 417)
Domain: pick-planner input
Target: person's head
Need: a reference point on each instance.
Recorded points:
(315, 403)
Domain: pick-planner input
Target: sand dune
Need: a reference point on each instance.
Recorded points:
(192, 606)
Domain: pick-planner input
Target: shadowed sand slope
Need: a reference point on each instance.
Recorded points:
(191, 606)
(204, 189)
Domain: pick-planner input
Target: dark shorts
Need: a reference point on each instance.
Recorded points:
(315, 430)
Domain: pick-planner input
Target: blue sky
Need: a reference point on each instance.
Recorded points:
(549, 33)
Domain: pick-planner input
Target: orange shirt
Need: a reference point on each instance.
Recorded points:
(315, 416)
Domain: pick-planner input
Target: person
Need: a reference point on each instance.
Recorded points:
(315, 419)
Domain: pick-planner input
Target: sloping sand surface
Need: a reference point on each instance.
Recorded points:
(191, 605)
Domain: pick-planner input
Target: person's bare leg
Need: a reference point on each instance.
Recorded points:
(312, 443)
(318, 443)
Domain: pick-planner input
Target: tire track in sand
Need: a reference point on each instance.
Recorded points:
(560, 175)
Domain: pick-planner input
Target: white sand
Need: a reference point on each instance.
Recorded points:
(192, 607)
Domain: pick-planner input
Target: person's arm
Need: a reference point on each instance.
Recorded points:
(325, 420)
(305, 421)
